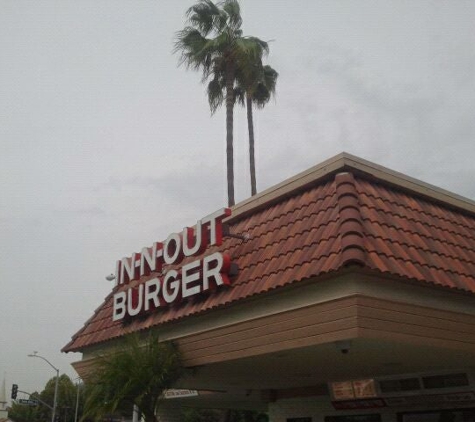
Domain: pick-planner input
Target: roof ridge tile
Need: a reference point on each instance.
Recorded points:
(351, 226)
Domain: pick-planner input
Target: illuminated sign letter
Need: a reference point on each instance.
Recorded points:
(118, 273)
(138, 298)
(172, 249)
(214, 267)
(119, 306)
(130, 267)
(152, 289)
(196, 236)
(215, 221)
(190, 274)
(171, 286)
(150, 259)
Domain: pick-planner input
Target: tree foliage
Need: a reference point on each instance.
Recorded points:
(66, 405)
(21, 413)
(135, 373)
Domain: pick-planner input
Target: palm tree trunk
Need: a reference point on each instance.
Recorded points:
(149, 415)
(250, 128)
(226, 415)
(229, 131)
(150, 418)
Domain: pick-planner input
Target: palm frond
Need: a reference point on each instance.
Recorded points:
(216, 93)
(248, 53)
(233, 11)
(264, 89)
(191, 45)
(203, 15)
(239, 95)
(260, 47)
(260, 96)
(269, 79)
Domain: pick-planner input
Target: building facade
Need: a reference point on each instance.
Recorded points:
(345, 293)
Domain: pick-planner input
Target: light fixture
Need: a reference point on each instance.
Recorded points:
(343, 346)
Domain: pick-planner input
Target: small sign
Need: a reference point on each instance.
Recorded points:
(355, 389)
(342, 390)
(179, 393)
(28, 402)
(359, 404)
(364, 388)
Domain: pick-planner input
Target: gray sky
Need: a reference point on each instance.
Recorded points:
(106, 146)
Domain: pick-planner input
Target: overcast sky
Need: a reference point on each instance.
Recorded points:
(106, 146)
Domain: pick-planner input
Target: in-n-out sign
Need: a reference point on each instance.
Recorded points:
(192, 278)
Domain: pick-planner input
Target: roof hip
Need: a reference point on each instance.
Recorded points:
(351, 225)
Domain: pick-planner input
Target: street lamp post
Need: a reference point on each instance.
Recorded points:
(35, 355)
(77, 399)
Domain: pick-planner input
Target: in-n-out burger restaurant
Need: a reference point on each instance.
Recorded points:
(344, 294)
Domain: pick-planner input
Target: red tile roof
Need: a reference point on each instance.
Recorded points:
(416, 238)
(344, 212)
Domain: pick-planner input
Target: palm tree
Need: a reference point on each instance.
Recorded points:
(255, 86)
(213, 42)
(135, 374)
